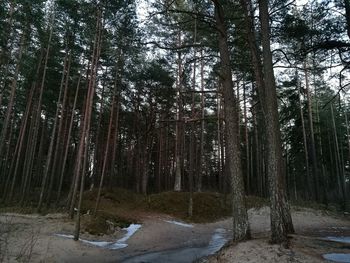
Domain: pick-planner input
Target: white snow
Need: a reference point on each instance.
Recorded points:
(120, 243)
(178, 223)
(337, 257)
(339, 239)
(217, 241)
(66, 236)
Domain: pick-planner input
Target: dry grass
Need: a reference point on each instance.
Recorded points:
(127, 206)
(8, 231)
(120, 207)
(207, 207)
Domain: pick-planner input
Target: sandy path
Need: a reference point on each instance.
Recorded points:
(36, 233)
(306, 246)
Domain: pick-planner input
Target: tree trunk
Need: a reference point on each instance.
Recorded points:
(48, 161)
(341, 177)
(60, 136)
(106, 152)
(179, 124)
(241, 229)
(66, 147)
(246, 137)
(308, 181)
(315, 190)
(11, 102)
(281, 221)
(84, 140)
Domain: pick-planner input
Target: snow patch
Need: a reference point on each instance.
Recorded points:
(339, 239)
(217, 241)
(66, 236)
(337, 257)
(178, 223)
(186, 254)
(120, 243)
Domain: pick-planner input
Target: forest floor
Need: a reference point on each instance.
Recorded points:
(165, 236)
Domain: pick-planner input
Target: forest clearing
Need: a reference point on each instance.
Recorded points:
(174, 130)
(162, 238)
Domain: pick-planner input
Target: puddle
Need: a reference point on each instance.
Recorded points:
(184, 255)
(337, 257)
(120, 243)
(178, 223)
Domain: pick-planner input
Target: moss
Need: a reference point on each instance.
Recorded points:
(104, 223)
(256, 202)
(207, 206)
(308, 204)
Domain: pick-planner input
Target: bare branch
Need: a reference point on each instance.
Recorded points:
(174, 48)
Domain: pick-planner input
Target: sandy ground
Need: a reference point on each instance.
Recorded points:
(31, 238)
(306, 246)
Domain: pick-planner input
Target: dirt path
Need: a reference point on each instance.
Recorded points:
(32, 238)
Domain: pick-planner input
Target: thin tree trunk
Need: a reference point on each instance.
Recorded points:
(48, 161)
(338, 159)
(7, 37)
(218, 130)
(323, 179)
(66, 148)
(11, 102)
(347, 135)
(37, 113)
(98, 140)
(87, 115)
(192, 169)
(308, 181)
(246, 137)
(20, 141)
(105, 155)
(201, 147)
(115, 134)
(179, 128)
(59, 136)
(4, 164)
(312, 137)
(83, 144)
(257, 147)
(29, 156)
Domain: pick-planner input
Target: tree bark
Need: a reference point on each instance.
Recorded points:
(246, 137)
(201, 155)
(11, 102)
(315, 190)
(106, 152)
(48, 161)
(306, 152)
(66, 147)
(241, 228)
(84, 140)
(179, 124)
(281, 221)
(60, 136)
(341, 177)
